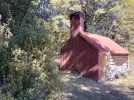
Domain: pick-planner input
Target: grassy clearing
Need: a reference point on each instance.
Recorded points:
(125, 82)
(131, 57)
(128, 82)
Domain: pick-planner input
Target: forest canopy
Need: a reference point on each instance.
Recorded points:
(33, 31)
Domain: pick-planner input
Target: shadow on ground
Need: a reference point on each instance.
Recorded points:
(76, 87)
(81, 88)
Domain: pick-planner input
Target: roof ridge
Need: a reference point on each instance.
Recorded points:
(104, 43)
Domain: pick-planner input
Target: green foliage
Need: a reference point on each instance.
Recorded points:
(112, 18)
(125, 23)
(26, 49)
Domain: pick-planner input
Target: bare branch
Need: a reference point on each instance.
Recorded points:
(25, 12)
(14, 5)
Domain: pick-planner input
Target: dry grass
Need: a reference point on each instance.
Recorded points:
(75, 87)
(125, 82)
(128, 82)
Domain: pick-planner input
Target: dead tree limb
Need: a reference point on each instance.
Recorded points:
(25, 12)
(14, 5)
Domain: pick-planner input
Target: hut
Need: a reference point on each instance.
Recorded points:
(93, 55)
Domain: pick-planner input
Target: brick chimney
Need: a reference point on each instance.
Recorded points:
(77, 23)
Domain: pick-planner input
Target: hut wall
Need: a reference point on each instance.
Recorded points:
(68, 55)
(117, 64)
(87, 59)
(79, 55)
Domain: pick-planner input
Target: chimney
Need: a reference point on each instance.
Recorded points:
(77, 23)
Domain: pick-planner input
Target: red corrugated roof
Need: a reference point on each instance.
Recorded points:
(103, 43)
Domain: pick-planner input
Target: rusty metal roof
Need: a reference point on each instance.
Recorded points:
(103, 43)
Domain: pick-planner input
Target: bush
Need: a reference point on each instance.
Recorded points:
(25, 70)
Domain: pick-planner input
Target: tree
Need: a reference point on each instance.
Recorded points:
(25, 52)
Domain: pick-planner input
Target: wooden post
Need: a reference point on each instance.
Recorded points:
(99, 67)
(128, 62)
(104, 65)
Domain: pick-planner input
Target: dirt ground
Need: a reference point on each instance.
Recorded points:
(76, 87)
